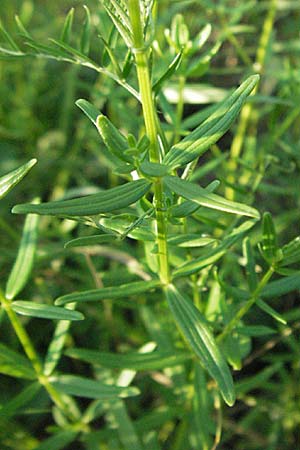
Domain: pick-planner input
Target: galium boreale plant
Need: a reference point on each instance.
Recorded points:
(161, 208)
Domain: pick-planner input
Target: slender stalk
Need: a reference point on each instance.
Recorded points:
(150, 119)
(247, 114)
(249, 303)
(33, 357)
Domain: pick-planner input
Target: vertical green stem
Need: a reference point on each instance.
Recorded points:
(150, 119)
(33, 357)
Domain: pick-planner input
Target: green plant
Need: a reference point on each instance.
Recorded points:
(190, 238)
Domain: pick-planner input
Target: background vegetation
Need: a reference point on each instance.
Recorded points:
(257, 162)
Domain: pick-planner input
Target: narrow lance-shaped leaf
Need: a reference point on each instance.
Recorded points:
(42, 311)
(24, 262)
(269, 246)
(86, 32)
(212, 129)
(115, 142)
(8, 181)
(97, 239)
(202, 197)
(67, 28)
(84, 387)
(102, 202)
(123, 290)
(197, 333)
(156, 360)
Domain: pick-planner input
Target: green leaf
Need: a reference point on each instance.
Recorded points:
(197, 333)
(8, 181)
(269, 247)
(123, 290)
(270, 311)
(97, 239)
(281, 287)
(250, 264)
(212, 129)
(102, 202)
(14, 364)
(8, 38)
(255, 330)
(58, 441)
(126, 225)
(291, 252)
(11, 407)
(67, 27)
(84, 387)
(33, 309)
(187, 207)
(168, 73)
(22, 267)
(89, 110)
(212, 255)
(190, 240)
(156, 360)
(151, 169)
(86, 32)
(199, 195)
(112, 138)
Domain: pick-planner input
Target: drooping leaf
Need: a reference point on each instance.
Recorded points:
(8, 181)
(212, 129)
(14, 364)
(197, 333)
(42, 311)
(22, 267)
(85, 387)
(199, 195)
(123, 290)
(102, 202)
(156, 360)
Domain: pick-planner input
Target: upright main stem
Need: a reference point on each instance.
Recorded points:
(150, 119)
